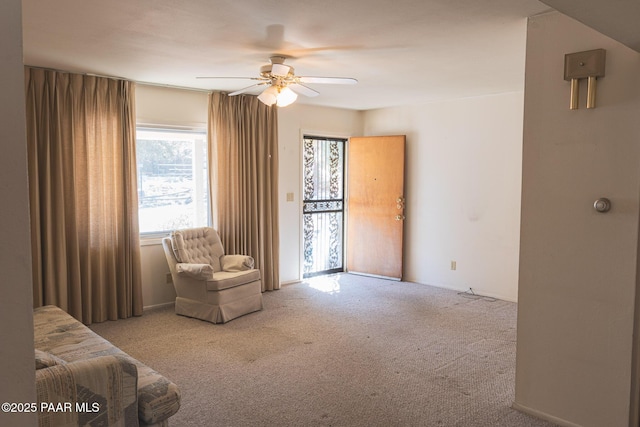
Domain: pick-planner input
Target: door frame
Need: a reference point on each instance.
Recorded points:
(320, 134)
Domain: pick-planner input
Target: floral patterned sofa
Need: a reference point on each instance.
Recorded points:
(83, 379)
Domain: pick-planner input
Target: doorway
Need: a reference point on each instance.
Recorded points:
(323, 205)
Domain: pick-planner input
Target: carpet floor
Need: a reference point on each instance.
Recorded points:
(340, 350)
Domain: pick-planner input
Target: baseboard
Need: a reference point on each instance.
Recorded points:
(377, 276)
(543, 415)
(152, 307)
(453, 288)
(290, 282)
(480, 293)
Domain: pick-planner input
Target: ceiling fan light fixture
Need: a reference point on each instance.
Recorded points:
(286, 97)
(269, 96)
(283, 86)
(279, 95)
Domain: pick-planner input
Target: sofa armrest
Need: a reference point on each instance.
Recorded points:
(97, 391)
(236, 262)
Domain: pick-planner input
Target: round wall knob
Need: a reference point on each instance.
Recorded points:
(602, 205)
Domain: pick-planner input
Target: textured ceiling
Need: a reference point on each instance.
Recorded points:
(402, 52)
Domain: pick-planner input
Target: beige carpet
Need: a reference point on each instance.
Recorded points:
(342, 350)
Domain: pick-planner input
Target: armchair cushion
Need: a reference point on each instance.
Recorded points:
(236, 262)
(197, 246)
(229, 279)
(196, 271)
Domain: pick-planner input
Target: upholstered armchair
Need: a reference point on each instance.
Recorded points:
(209, 284)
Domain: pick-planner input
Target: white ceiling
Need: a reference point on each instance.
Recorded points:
(402, 52)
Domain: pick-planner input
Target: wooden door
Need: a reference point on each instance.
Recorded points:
(375, 217)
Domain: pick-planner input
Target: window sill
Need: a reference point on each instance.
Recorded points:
(150, 240)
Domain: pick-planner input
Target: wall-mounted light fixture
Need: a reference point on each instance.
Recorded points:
(584, 65)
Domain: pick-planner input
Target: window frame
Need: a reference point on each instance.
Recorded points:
(155, 237)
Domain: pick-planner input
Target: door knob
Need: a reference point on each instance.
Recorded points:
(602, 205)
(399, 217)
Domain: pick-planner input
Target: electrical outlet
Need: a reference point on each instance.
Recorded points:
(454, 265)
(168, 278)
(289, 197)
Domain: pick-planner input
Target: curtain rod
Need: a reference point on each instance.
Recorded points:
(174, 87)
(83, 73)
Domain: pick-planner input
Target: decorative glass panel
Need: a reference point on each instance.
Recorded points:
(323, 204)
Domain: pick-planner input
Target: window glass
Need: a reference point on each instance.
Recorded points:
(172, 180)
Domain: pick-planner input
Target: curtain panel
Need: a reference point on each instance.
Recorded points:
(243, 146)
(83, 197)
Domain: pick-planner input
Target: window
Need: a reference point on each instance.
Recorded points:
(172, 180)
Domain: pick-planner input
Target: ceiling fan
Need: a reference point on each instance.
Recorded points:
(282, 84)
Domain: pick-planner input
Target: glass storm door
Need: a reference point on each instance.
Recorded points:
(323, 205)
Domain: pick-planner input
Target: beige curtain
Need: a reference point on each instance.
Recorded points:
(243, 154)
(83, 198)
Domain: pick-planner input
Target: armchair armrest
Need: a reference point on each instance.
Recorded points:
(236, 262)
(195, 271)
(101, 390)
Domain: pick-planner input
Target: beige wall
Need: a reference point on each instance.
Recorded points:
(162, 105)
(463, 176)
(17, 369)
(577, 267)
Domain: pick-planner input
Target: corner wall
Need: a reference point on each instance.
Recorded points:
(17, 369)
(462, 190)
(577, 280)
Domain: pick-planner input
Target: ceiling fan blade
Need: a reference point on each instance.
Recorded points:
(247, 89)
(327, 80)
(231, 78)
(303, 90)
